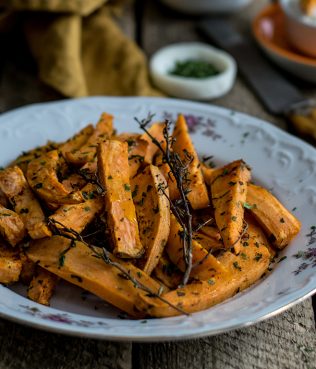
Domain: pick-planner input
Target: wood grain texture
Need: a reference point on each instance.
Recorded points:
(285, 342)
(26, 348)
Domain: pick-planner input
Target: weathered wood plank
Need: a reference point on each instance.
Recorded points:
(284, 342)
(25, 348)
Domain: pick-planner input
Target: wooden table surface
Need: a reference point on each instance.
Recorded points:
(287, 341)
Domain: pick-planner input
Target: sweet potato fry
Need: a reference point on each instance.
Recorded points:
(206, 264)
(17, 190)
(245, 269)
(137, 148)
(78, 216)
(80, 267)
(229, 191)
(11, 226)
(113, 170)
(88, 152)
(28, 269)
(42, 286)
(42, 177)
(278, 223)
(10, 264)
(153, 214)
(155, 130)
(183, 145)
(77, 141)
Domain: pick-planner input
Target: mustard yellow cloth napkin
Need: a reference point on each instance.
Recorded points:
(80, 50)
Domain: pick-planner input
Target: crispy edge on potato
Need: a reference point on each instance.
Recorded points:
(245, 269)
(42, 286)
(88, 152)
(206, 265)
(229, 190)
(20, 195)
(113, 171)
(153, 214)
(12, 227)
(81, 268)
(198, 196)
(278, 223)
(42, 177)
(78, 216)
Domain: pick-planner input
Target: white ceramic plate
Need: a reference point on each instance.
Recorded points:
(279, 161)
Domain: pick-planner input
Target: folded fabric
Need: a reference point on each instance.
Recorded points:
(80, 50)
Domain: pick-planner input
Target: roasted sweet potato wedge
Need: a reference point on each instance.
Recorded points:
(155, 130)
(78, 216)
(206, 264)
(23, 160)
(17, 190)
(168, 273)
(278, 223)
(77, 141)
(42, 177)
(10, 264)
(229, 191)
(244, 270)
(12, 228)
(137, 148)
(81, 268)
(42, 286)
(113, 170)
(198, 196)
(88, 152)
(153, 214)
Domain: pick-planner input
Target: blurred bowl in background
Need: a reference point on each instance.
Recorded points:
(270, 32)
(198, 7)
(165, 59)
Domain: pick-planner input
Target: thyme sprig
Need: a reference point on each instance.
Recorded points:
(102, 253)
(180, 173)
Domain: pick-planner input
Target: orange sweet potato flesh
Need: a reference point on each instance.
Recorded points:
(207, 265)
(81, 268)
(229, 191)
(137, 148)
(168, 273)
(244, 270)
(42, 286)
(88, 152)
(74, 182)
(77, 141)
(156, 131)
(78, 216)
(17, 190)
(12, 227)
(153, 214)
(278, 223)
(42, 177)
(113, 171)
(10, 264)
(198, 196)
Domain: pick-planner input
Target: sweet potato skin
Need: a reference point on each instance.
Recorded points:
(81, 268)
(17, 190)
(229, 190)
(113, 170)
(153, 214)
(279, 224)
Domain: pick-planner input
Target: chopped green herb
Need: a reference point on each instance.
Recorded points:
(38, 185)
(110, 177)
(211, 281)
(258, 256)
(180, 293)
(282, 258)
(87, 208)
(24, 211)
(127, 187)
(234, 218)
(243, 256)
(134, 193)
(248, 206)
(236, 265)
(282, 220)
(193, 68)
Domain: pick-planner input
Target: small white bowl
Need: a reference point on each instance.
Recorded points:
(164, 60)
(197, 7)
(301, 29)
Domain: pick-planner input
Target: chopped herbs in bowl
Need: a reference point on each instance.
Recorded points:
(192, 68)
(193, 71)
